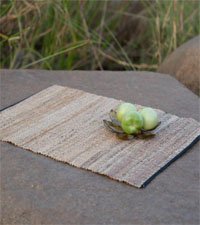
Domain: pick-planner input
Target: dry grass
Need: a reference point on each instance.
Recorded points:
(87, 34)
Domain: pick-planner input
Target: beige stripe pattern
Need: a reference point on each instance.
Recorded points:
(66, 125)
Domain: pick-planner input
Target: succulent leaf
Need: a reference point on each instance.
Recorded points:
(125, 136)
(113, 127)
(113, 117)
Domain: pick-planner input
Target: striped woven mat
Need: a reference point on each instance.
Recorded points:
(66, 125)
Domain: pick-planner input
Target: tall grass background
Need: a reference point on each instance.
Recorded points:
(94, 35)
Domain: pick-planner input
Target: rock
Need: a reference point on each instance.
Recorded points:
(184, 64)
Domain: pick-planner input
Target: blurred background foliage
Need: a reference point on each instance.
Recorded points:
(91, 34)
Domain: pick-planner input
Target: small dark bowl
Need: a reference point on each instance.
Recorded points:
(115, 127)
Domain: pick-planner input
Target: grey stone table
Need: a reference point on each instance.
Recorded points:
(38, 190)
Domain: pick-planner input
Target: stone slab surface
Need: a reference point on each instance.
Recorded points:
(38, 190)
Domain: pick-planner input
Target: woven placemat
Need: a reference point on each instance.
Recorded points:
(66, 125)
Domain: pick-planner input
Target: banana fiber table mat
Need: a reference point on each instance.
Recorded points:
(66, 125)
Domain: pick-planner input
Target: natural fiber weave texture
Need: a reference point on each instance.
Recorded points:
(66, 124)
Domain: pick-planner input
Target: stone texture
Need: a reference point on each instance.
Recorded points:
(184, 64)
(38, 190)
